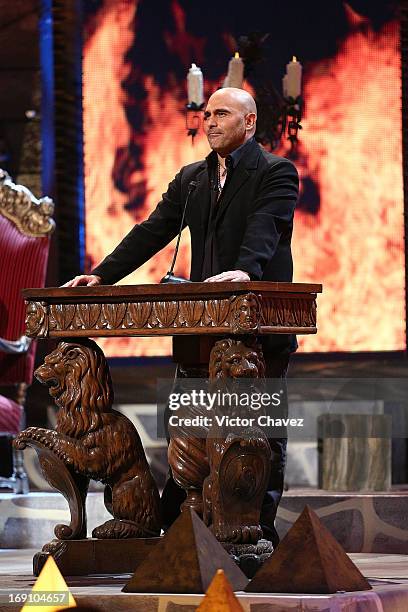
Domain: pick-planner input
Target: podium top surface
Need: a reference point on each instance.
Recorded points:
(169, 290)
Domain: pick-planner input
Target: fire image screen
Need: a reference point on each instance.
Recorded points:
(349, 221)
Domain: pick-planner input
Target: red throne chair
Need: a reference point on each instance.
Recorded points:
(25, 229)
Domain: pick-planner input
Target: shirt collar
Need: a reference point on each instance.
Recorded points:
(233, 158)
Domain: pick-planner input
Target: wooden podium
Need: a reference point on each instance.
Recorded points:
(215, 329)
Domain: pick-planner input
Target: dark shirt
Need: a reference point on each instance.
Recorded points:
(273, 345)
(210, 264)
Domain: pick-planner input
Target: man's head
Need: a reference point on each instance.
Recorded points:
(229, 119)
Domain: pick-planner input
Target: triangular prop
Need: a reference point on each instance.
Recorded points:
(51, 589)
(185, 561)
(220, 596)
(308, 560)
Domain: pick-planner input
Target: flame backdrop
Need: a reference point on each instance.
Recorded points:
(349, 222)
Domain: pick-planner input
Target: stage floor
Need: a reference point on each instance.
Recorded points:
(387, 573)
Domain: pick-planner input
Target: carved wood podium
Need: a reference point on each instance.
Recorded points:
(215, 327)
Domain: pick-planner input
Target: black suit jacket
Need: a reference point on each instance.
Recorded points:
(253, 228)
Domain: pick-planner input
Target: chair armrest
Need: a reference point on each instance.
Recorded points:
(15, 347)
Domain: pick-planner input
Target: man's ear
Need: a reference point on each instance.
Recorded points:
(250, 120)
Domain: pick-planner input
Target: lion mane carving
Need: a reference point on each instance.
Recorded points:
(232, 358)
(96, 442)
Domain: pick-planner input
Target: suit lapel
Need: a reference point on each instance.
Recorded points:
(201, 195)
(245, 167)
(239, 178)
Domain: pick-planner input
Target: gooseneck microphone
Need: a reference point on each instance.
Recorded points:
(170, 277)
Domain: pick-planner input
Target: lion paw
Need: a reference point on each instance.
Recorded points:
(242, 534)
(35, 434)
(46, 437)
(19, 443)
(116, 529)
(253, 442)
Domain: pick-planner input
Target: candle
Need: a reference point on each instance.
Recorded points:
(235, 76)
(285, 86)
(195, 85)
(294, 78)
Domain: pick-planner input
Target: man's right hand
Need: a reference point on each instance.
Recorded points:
(85, 279)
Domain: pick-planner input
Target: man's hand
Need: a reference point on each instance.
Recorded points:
(231, 275)
(85, 279)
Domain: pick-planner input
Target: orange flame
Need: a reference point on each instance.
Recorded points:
(351, 146)
(355, 247)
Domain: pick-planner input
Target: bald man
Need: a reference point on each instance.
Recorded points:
(240, 215)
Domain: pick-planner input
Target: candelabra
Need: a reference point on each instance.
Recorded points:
(278, 116)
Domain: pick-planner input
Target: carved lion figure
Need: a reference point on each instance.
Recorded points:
(95, 441)
(239, 463)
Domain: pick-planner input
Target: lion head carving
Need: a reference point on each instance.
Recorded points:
(235, 359)
(79, 381)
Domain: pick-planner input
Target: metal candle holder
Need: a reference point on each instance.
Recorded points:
(193, 119)
(291, 118)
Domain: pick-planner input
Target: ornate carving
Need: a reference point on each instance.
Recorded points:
(232, 358)
(74, 488)
(239, 462)
(245, 313)
(165, 314)
(289, 312)
(138, 314)
(55, 548)
(187, 451)
(234, 490)
(92, 441)
(36, 320)
(32, 216)
(224, 474)
(188, 461)
(113, 315)
(61, 316)
(217, 312)
(191, 312)
(88, 314)
(242, 314)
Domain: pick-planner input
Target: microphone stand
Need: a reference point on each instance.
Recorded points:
(170, 277)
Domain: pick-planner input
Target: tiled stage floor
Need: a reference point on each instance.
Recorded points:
(388, 574)
(361, 522)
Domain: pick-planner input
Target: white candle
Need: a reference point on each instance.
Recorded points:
(195, 85)
(294, 78)
(235, 76)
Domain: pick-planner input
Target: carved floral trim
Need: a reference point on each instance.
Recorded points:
(32, 216)
(289, 312)
(242, 314)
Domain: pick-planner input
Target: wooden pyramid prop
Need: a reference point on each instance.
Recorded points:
(220, 596)
(185, 561)
(50, 581)
(308, 560)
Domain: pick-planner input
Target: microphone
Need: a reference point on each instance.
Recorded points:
(170, 277)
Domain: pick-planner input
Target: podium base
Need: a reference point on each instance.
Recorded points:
(92, 556)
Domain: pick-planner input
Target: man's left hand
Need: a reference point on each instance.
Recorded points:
(231, 275)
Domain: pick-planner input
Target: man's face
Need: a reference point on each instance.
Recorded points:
(225, 123)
